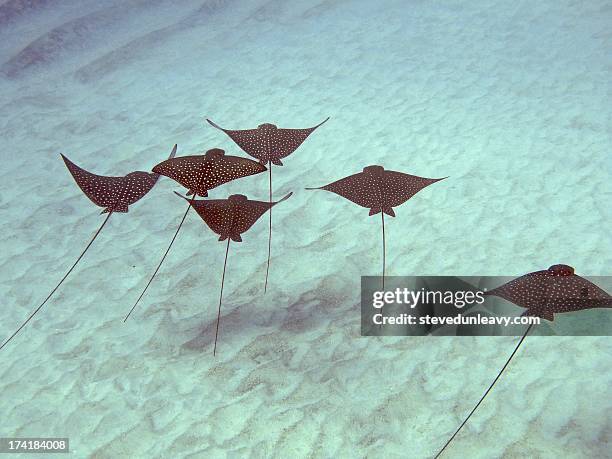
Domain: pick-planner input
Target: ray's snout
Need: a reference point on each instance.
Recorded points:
(267, 127)
(561, 270)
(237, 198)
(375, 169)
(214, 153)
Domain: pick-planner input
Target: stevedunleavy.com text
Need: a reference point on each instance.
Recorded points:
(409, 319)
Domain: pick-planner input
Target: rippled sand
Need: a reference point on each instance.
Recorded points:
(512, 100)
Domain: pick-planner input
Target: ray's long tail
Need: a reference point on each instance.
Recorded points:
(487, 391)
(269, 231)
(221, 296)
(382, 214)
(59, 283)
(163, 258)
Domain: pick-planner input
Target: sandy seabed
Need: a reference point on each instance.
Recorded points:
(512, 100)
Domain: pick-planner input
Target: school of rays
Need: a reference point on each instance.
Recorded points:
(542, 294)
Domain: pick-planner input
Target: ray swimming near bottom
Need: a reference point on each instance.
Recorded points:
(379, 190)
(269, 144)
(113, 194)
(229, 218)
(200, 173)
(555, 290)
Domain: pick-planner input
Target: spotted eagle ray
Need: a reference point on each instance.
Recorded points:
(379, 190)
(200, 173)
(555, 290)
(269, 144)
(113, 194)
(229, 218)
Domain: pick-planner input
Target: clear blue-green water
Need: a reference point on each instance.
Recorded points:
(511, 100)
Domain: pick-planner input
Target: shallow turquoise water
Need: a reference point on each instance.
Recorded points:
(511, 100)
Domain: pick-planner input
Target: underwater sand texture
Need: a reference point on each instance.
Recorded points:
(512, 100)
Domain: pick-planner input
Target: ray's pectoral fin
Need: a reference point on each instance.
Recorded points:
(284, 198)
(123, 208)
(233, 236)
(377, 210)
(548, 315)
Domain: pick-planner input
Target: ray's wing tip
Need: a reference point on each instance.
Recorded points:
(436, 180)
(284, 198)
(322, 122)
(65, 159)
(213, 124)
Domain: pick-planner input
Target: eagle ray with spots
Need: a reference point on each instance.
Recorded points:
(555, 290)
(113, 194)
(269, 144)
(200, 173)
(379, 190)
(229, 218)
